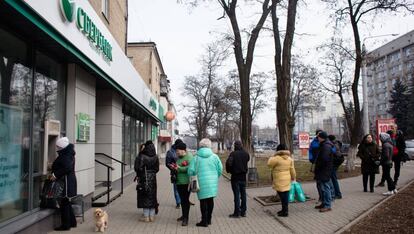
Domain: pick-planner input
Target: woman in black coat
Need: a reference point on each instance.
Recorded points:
(147, 166)
(369, 153)
(63, 169)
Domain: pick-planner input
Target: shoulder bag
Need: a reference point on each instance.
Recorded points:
(194, 186)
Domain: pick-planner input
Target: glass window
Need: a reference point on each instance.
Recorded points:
(49, 104)
(105, 8)
(15, 115)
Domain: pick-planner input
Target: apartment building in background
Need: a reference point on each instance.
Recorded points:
(385, 65)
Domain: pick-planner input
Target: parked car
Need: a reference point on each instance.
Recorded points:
(259, 150)
(410, 148)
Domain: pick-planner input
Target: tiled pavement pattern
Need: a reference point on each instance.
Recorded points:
(303, 218)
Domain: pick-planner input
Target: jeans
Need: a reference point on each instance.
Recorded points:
(326, 193)
(371, 177)
(336, 189)
(239, 193)
(387, 175)
(397, 168)
(318, 187)
(184, 197)
(284, 198)
(66, 214)
(206, 207)
(149, 212)
(176, 195)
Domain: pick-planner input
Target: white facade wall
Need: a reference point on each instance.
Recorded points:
(81, 98)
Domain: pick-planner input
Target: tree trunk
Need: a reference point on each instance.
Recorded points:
(282, 66)
(356, 128)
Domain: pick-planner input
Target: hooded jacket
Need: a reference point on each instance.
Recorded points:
(147, 166)
(236, 163)
(208, 168)
(64, 165)
(313, 150)
(387, 150)
(283, 170)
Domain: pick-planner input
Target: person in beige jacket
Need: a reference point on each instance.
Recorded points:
(283, 172)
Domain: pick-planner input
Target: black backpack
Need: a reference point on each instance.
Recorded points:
(338, 157)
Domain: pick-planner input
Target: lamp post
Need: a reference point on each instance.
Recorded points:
(364, 73)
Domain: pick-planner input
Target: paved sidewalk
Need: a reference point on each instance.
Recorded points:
(303, 218)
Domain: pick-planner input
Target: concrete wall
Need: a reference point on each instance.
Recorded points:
(144, 58)
(81, 97)
(108, 131)
(117, 20)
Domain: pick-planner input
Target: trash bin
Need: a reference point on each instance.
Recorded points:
(252, 175)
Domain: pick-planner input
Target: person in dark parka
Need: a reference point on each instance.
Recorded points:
(323, 171)
(237, 166)
(63, 169)
(147, 166)
(369, 153)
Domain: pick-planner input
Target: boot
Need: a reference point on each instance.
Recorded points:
(145, 219)
(151, 219)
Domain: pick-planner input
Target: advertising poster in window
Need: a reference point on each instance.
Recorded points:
(10, 153)
(304, 140)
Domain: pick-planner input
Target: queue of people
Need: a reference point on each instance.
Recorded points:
(324, 154)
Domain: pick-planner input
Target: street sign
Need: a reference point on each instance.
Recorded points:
(303, 140)
(383, 125)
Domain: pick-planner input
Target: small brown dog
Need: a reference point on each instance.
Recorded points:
(101, 220)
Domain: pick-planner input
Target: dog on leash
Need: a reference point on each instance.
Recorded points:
(101, 220)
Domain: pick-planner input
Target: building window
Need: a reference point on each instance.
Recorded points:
(105, 8)
(32, 90)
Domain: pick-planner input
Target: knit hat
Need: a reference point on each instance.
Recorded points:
(181, 146)
(323, 135)
(62, 142)
(178, 141)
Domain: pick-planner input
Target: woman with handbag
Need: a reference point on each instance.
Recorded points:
(369, 153)
(63, 169)
(184, 159)
(147, 166)
(205, 170)
(283, 172)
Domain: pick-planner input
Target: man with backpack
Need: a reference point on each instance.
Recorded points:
(323, 171)
(338, 159)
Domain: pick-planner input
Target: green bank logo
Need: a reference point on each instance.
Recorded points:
(88, 27)
(67, 7)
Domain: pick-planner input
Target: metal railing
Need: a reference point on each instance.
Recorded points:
(109, 182)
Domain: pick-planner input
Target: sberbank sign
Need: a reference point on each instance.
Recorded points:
(87, 27)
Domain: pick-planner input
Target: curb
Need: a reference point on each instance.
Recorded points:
(367, 212)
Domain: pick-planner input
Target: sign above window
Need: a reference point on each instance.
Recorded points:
(87, 27)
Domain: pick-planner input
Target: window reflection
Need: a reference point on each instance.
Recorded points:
(15, 110)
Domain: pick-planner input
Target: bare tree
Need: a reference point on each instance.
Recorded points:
(282, 61)
(304, 88)
(244, 56)
(203, 91)
(258, 91)
(352, 12)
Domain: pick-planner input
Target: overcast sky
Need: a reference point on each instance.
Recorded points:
(181, 34)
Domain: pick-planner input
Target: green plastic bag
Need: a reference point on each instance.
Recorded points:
(292, 193)
(300, 195)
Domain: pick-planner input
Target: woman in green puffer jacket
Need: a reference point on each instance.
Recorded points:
(208, 168)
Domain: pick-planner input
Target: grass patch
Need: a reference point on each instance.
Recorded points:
(302, 168)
